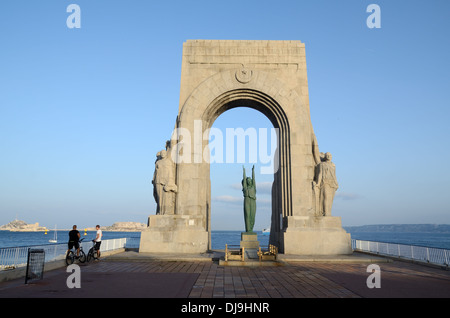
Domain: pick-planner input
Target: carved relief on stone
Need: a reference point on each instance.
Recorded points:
(244, 75)
(164, 187)
(324, 185)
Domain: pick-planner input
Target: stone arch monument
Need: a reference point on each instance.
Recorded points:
(269, 76)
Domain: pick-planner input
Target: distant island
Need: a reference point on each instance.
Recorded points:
(405, 228)
(126, 227)
(22, 226)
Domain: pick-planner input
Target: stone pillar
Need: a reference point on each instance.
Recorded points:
(309, 235)
(179, 234)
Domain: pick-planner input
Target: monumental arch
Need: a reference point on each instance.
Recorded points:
(269, 76)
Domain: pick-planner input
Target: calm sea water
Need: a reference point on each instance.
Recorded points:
(438, 240)
(220, 238)
(13, 239)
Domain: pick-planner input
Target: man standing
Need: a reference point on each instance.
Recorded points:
(74, 238)
(98, 240)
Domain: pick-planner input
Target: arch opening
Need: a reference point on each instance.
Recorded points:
(281, 198)
(253, 142)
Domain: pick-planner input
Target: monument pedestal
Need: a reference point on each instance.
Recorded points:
(174, 234)
(250, 243)
(307, 235)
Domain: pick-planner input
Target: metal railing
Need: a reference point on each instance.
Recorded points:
(14, 257)
(430, 255)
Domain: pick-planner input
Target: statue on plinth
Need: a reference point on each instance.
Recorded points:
(325, 185)
(249, 192)
(164, 188)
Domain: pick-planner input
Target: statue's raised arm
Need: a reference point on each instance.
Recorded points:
(244, 179)
(253, 177)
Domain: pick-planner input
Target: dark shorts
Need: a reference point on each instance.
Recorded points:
(73, 244)
(97, 245)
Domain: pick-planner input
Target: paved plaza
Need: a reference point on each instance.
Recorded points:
(141, 277)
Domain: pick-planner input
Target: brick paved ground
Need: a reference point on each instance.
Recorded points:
(206, 279)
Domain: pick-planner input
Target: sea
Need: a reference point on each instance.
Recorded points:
(19, 239)
(220, 238)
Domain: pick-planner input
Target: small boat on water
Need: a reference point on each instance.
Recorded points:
(266, 231)
(55, 237)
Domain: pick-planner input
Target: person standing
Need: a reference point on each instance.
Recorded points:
(98, 240)
(74, 238)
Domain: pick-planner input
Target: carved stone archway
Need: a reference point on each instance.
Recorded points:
(269, 76)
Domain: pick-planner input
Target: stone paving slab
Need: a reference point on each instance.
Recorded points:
(139, 277)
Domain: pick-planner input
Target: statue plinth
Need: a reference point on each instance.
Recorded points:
(250, 243)
(174, 234)
(307, 235)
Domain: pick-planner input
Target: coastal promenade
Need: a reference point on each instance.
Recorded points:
(138, 275)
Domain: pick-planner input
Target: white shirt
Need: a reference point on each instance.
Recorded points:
(99, 236)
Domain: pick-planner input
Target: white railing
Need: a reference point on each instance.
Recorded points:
(431, 255)
(13, 257)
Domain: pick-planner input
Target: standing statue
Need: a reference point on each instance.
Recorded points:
(325, 185)
(164, 184)
(249, 191)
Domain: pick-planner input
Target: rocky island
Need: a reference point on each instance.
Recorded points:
(21, 226)
(125, 227)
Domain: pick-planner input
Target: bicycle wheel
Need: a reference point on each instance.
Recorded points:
(82, 257)
(69, 258)
(90, 255)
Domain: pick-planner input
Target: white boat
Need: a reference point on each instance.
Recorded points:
(266, 231)
(55, 237)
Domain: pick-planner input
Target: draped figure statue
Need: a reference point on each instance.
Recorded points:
(249, 192)
(164, 184)
(325, 185)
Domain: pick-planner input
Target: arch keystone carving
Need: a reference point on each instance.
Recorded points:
(244, 75)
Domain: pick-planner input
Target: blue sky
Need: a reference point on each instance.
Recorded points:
(84, 111)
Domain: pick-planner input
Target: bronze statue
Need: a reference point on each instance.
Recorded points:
(249, 191)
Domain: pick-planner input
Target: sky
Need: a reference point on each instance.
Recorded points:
(83, 111)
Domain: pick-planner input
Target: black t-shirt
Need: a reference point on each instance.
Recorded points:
(73, 235)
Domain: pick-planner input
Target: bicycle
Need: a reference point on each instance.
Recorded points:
(72, 256)
(92, 254)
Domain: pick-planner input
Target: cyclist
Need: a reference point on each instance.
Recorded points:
(98, 240)
(74, 237)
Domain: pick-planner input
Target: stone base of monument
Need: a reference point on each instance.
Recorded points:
(316, 236)
(250, 254)
(174, 234)
(250, 245)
